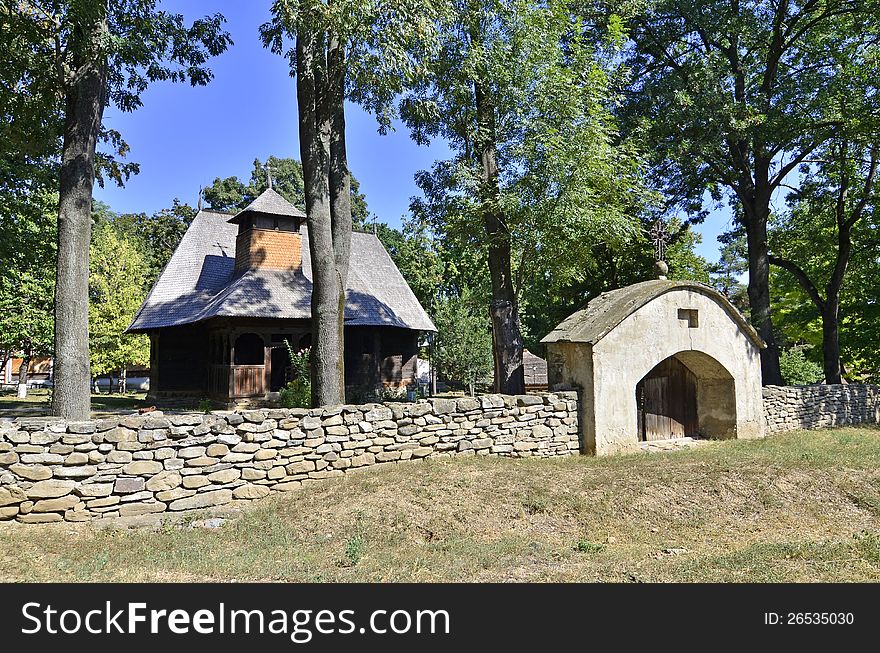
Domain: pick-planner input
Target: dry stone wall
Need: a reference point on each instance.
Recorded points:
(51, 470)
(787, 408)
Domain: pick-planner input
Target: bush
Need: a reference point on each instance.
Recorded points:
(296, 394)
(797, 369)
(298, 391)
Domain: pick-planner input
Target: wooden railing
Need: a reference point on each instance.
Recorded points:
(237, 381)
(248, 380)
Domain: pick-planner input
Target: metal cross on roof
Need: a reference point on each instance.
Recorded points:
(660, 237)
(268, 174)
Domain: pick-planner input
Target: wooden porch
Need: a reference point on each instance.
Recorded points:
(249, 363)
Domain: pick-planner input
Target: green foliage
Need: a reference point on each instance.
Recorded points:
(157, 236)
(585, 546)
(714, 83)
(419, 259)
(205, 405)
(298, 391)
(354, 550)
(463, 345)
(570, 188)
(725, 275)
(142, 44)
(231, 194)
(385, 43)
(797, 369)
(555, 294)
(27, 273)
(837, 192)
(116, 291)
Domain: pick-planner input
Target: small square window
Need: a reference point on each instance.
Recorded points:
(691, 315)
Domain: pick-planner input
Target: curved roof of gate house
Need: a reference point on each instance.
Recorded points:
(605, 312)
(199, 283)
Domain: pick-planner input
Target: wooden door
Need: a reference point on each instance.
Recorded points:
(667, 402)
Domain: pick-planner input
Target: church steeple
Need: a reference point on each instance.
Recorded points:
(268, 233)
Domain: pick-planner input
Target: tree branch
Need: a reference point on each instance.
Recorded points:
(795, 270)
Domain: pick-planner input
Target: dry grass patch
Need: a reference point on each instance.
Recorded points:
(797, 507)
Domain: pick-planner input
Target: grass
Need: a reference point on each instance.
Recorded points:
(37, 403)
(798, 507)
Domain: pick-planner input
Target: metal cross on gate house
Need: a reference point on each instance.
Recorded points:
(660, 237)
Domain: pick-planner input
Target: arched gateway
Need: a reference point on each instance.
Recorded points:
(659, 360)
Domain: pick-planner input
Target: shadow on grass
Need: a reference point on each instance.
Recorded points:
(36, 404)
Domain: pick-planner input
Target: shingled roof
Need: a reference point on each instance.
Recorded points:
(602, 314)
(199, 283)
(271, 203)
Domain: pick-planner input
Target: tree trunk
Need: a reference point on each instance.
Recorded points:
(123, 380)
(755, 217)
(340, 188)
(23, 373)
(82, 122)
(507, 341)
(314, 139)
(831, 340)
(4, 359)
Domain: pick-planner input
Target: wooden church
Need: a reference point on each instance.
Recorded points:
(237, 287)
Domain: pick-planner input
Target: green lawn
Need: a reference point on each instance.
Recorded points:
(37, 403)
(798, 507)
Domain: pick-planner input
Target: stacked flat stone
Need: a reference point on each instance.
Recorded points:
(52, 470)
(788, 408)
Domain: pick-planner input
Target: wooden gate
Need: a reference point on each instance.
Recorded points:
(667, 402)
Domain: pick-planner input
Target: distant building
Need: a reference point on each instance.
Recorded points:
(535, 369)
(238, 287)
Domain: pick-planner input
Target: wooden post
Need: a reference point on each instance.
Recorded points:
(377, 358)
(267, 368)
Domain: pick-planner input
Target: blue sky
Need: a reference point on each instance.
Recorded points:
(184, 137)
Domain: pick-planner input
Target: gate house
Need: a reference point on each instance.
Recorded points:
(659, 360)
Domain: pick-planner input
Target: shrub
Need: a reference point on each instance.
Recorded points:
(298, 391)
(797, 369)
(585, 546)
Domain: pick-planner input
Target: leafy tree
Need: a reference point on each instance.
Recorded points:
(827, 212)
(27, 278)
(116, 291)
(157, 235)
(80, 56)
(231, 194)
(416, 255)
(518, 91)
(733, 96)
(463, 345)
(726, 274)
(343, 49)
(556, 291)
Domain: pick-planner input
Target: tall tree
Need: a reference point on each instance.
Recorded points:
(834, 197)
(116, 290)
(27, 249)
(86, 54)
(734, 95)
(518, 91)
(343, 49)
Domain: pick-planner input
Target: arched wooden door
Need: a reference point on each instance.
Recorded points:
(667, 402)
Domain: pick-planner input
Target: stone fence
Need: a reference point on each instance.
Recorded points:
(51, 470)
(815, 406)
